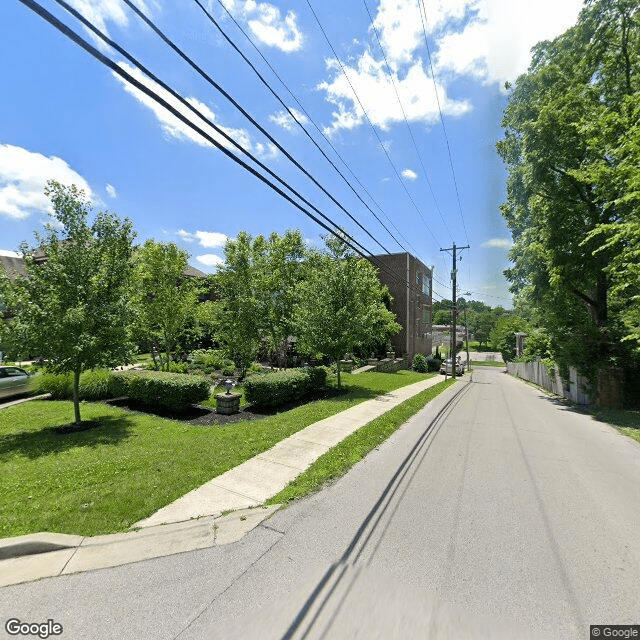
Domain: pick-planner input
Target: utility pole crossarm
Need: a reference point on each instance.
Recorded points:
(454, 310)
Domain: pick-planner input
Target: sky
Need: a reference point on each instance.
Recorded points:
(403, 97)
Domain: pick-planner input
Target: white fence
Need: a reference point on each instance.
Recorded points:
(537, 373)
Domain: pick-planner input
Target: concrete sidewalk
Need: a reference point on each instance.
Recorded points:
(196, 520)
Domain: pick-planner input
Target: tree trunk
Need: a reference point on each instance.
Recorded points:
(338, 370)
(76, 400)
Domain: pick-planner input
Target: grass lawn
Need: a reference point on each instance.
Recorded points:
(487, 363)
(105, 479)
(625, 420)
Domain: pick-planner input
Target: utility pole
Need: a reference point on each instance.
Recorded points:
(454, 310)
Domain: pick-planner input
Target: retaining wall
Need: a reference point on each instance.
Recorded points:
(537, 373)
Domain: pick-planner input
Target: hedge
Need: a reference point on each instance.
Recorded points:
(281, 387)
(162, 389)
(95, 384)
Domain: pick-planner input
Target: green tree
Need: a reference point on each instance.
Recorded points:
(167, 299)
(340, 306)
(241, 309)
(571, 150)
(503, 335)
(76, 307)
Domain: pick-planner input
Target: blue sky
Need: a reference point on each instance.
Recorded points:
(66, 116)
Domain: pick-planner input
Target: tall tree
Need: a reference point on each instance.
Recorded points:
(168, 299)
(76, 306)
(564, 125)
(340, 304)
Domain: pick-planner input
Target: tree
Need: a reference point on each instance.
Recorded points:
(167, 299)
(340, 304)
(503, 335)
(76, 307)
(571, 150)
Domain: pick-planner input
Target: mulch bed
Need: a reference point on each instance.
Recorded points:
(198, 414)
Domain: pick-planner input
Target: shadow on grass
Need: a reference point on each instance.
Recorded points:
(34, 444)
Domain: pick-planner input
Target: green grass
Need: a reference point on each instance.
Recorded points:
(627, 421)
(487, 363)
(104, 479)
(338, 460)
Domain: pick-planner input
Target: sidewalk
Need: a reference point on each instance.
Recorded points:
(196, 520)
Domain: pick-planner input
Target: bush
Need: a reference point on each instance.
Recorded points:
(162, 389)
(59, 385)
(178, 367)
(208, 358)
(281, 387)
(433, 364)
(95, 384)
(420, 363)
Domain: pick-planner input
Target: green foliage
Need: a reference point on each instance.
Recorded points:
(162, 389)
(281, 387)
(572, 150)
(420, 363)
(433, 364)
(95, 384)
(339, 307)
(168, 299)
(76, 308)
(504, 338)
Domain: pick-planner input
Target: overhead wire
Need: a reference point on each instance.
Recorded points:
(346, 75)
(406, 121)
(195, 110)
(423, 17)
(290, 112)
(108, 62)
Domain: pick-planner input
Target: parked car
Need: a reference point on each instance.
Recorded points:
(447, 368)
(13, 381)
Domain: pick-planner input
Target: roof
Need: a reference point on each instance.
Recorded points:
(13, 266)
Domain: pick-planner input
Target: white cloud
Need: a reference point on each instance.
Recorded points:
(498, 243)
(495, 46)
(409, 174)
(111, 191)
(10, 254)
(374, 89)
(284, 120)
(185, 235)
(488, 40)
(23, 175)
(173, 127)
(211, 239)
(268, 25)
(210, 260)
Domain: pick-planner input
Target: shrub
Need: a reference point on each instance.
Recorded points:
(420, 363)
(59, 385)
(281, 387)
(178, 367)
(208, 358)
(95, 384)
(162, 389)
(433, 364)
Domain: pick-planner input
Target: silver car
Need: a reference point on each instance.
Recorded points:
(13, 381)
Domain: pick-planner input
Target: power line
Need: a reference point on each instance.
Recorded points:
(196, 111)
(406, 121)
(423, 17)
(293, 115)
(404, 186)
(118, 70)
(234, 102)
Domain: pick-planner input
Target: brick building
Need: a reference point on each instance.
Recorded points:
(411, 304)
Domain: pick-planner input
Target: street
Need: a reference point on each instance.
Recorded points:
(496, 512)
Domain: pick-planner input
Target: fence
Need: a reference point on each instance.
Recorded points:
(537, 373)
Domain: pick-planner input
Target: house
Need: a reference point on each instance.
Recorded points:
(409, 282)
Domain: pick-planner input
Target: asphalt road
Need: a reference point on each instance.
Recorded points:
(494, 513)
